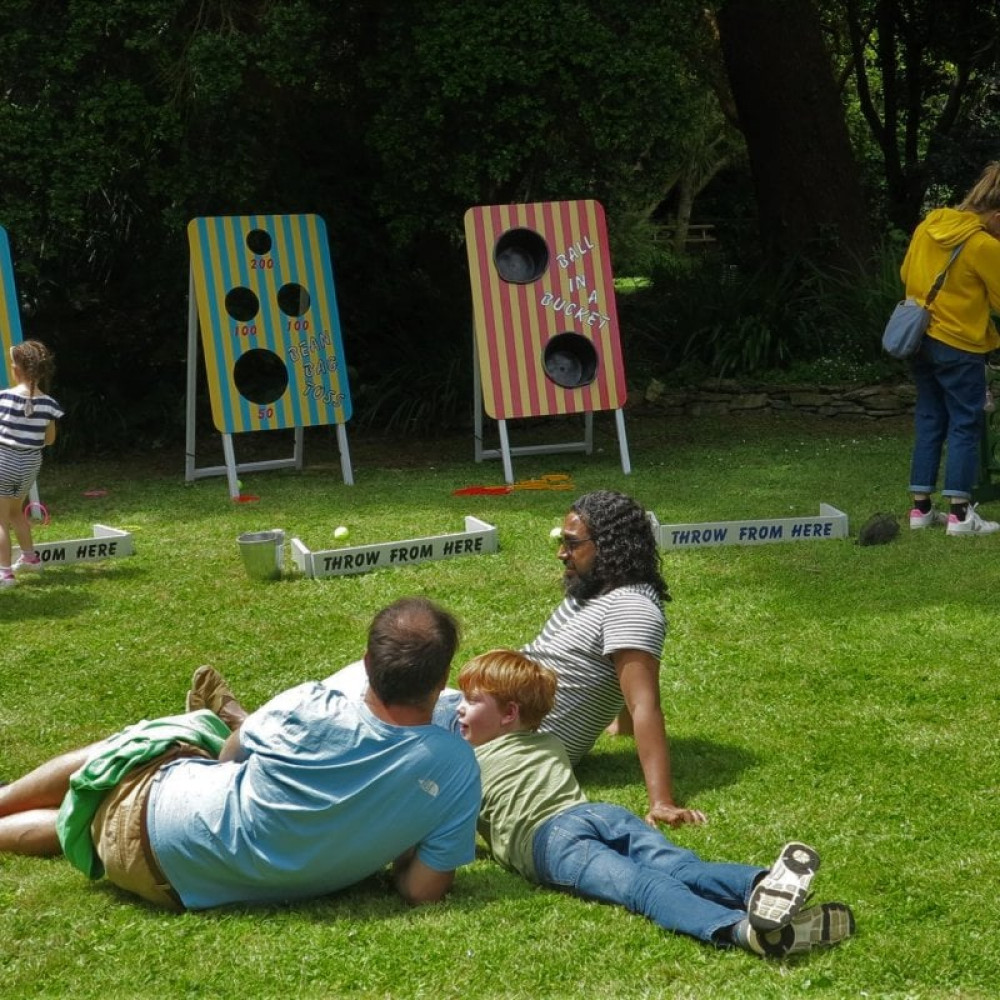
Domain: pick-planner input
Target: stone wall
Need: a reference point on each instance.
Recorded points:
(724, 396)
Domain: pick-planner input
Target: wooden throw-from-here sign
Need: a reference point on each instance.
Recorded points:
(107, 543)
(829, 523)
(479, 538)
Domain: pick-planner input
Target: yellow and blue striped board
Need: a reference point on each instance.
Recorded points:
(10, 314)
(258, 261)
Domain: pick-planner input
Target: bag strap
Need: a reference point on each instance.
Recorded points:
(939, 280)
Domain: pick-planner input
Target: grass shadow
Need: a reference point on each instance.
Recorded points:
(698, 765)
(37, 597)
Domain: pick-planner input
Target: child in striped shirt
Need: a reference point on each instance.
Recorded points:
(27, 424)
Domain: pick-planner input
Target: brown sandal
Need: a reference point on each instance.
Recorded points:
(209, 690)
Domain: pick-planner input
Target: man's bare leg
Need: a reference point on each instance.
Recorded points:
(30, 805)
(45, 786)
(32, 832)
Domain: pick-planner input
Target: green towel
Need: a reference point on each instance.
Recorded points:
(117, 756)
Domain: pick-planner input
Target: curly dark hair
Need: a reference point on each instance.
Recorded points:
(627, 550)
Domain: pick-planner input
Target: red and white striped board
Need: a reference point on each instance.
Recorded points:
(561, 285)
(545, 321)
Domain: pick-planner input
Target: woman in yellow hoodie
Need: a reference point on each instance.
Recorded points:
(950, 368)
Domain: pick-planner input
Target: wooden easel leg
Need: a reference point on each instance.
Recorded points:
(508, 469)
(477, 402)
(192, 382)
(345, 455)
(623, 441)
(229, 452)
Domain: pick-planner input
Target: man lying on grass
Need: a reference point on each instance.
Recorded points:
(186, 815)
(537, 821)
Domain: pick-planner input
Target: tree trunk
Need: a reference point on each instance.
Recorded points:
(809, 197)
(682, 217)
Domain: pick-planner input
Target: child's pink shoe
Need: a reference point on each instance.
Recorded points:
(30, 562)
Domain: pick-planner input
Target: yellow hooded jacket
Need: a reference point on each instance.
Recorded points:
(960, 314)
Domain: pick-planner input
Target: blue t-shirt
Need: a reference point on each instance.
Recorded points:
(328, 795)
(352, 681)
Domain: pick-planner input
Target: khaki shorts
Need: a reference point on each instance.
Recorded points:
(121, 839)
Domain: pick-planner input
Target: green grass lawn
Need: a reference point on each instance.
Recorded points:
(819, 690)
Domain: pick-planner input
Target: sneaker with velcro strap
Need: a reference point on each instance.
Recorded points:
(816, 927)
(782, 891)
(28, 562)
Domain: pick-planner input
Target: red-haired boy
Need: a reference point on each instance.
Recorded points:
(537, 821)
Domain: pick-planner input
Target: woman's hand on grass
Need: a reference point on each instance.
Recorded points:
(674, 815)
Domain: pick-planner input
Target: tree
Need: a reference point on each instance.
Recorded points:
(810, 200)
(119, 123)
(925, 76)
(489, 101)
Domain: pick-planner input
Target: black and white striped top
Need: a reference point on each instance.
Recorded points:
(17, 428)
(578, 642)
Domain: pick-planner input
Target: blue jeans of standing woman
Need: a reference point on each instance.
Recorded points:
(601, 851)
(951, 393)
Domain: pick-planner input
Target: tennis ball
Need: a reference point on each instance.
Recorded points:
(340, 533)
(239, 484)
(556, 534)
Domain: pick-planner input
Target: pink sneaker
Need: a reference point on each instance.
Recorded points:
(972, 525)
(920, 520)
(28, 561)
(7, 579)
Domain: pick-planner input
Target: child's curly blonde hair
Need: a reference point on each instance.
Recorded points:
(35, 363)
(507, 677)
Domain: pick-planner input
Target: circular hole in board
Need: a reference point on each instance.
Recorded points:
(260, 376)
(293, 299)
(242, 304)
(570, 360)
(259, 242)
(521, 256)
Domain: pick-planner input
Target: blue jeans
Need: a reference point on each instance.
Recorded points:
(951, 393)
(601, 851)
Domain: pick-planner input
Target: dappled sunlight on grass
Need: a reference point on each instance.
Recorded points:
(816, 689)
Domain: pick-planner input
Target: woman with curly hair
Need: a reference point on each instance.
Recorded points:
(605, 640)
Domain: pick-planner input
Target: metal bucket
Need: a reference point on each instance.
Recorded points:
(570, 360)
(263, 553)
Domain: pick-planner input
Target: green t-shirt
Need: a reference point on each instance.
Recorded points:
(527, 779)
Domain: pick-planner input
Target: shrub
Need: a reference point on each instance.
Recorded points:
(733, 319)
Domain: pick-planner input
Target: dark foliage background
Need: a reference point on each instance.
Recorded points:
(121, 121)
